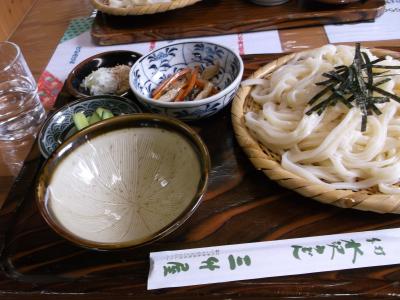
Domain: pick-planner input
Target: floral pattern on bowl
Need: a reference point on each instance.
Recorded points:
(60, 125)
(150, 70)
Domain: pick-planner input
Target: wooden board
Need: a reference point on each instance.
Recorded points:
(216, 17)
(241, 205)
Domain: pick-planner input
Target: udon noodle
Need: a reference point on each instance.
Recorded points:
(328, 149)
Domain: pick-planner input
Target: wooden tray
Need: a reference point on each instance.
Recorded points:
(216, 17)
(241, 205)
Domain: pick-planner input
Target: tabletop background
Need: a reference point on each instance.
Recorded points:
(241, 206)
(42, 28)
(39, 34)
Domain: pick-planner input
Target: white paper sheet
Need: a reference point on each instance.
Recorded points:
(383, 28)
(71, 52)
(275, 258)
(77, 45)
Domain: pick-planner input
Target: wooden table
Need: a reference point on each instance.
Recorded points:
(245, 194)
(41, 30)
(38, 36)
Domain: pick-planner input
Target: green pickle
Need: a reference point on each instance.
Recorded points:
(81, 121)
(107, 114)
(104, 113)
(100, 111)
(94, 118)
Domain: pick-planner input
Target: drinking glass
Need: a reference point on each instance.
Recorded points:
(21, 111)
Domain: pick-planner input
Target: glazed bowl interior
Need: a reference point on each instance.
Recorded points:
(151, 70)
(102, 60)
(124, 182)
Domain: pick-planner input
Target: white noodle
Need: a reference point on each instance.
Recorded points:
(328, 149)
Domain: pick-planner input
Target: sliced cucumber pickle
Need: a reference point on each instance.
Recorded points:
(94, 118)
(80, 120)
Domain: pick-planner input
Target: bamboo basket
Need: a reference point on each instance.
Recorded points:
(269, 162)
(102, 5)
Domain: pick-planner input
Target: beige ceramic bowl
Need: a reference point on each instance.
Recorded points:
(123, 182)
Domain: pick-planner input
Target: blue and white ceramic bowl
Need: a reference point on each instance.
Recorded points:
(150, 70)
(60, 125)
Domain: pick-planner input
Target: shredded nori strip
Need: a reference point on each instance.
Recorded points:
(320, 94)
(354, 86)
(385, 93)
(369, 71)
(386, 67)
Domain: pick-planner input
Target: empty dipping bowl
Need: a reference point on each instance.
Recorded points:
(123, 182)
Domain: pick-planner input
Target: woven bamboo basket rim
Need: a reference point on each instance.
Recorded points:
(141, 9)
(265, 160)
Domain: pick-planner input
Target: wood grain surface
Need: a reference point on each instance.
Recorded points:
(216, 17)
(43, 27)
(241, 205)
(35, 268)
(38, 36)
(11, 14)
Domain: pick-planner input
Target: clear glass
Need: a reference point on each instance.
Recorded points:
(21, 111)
